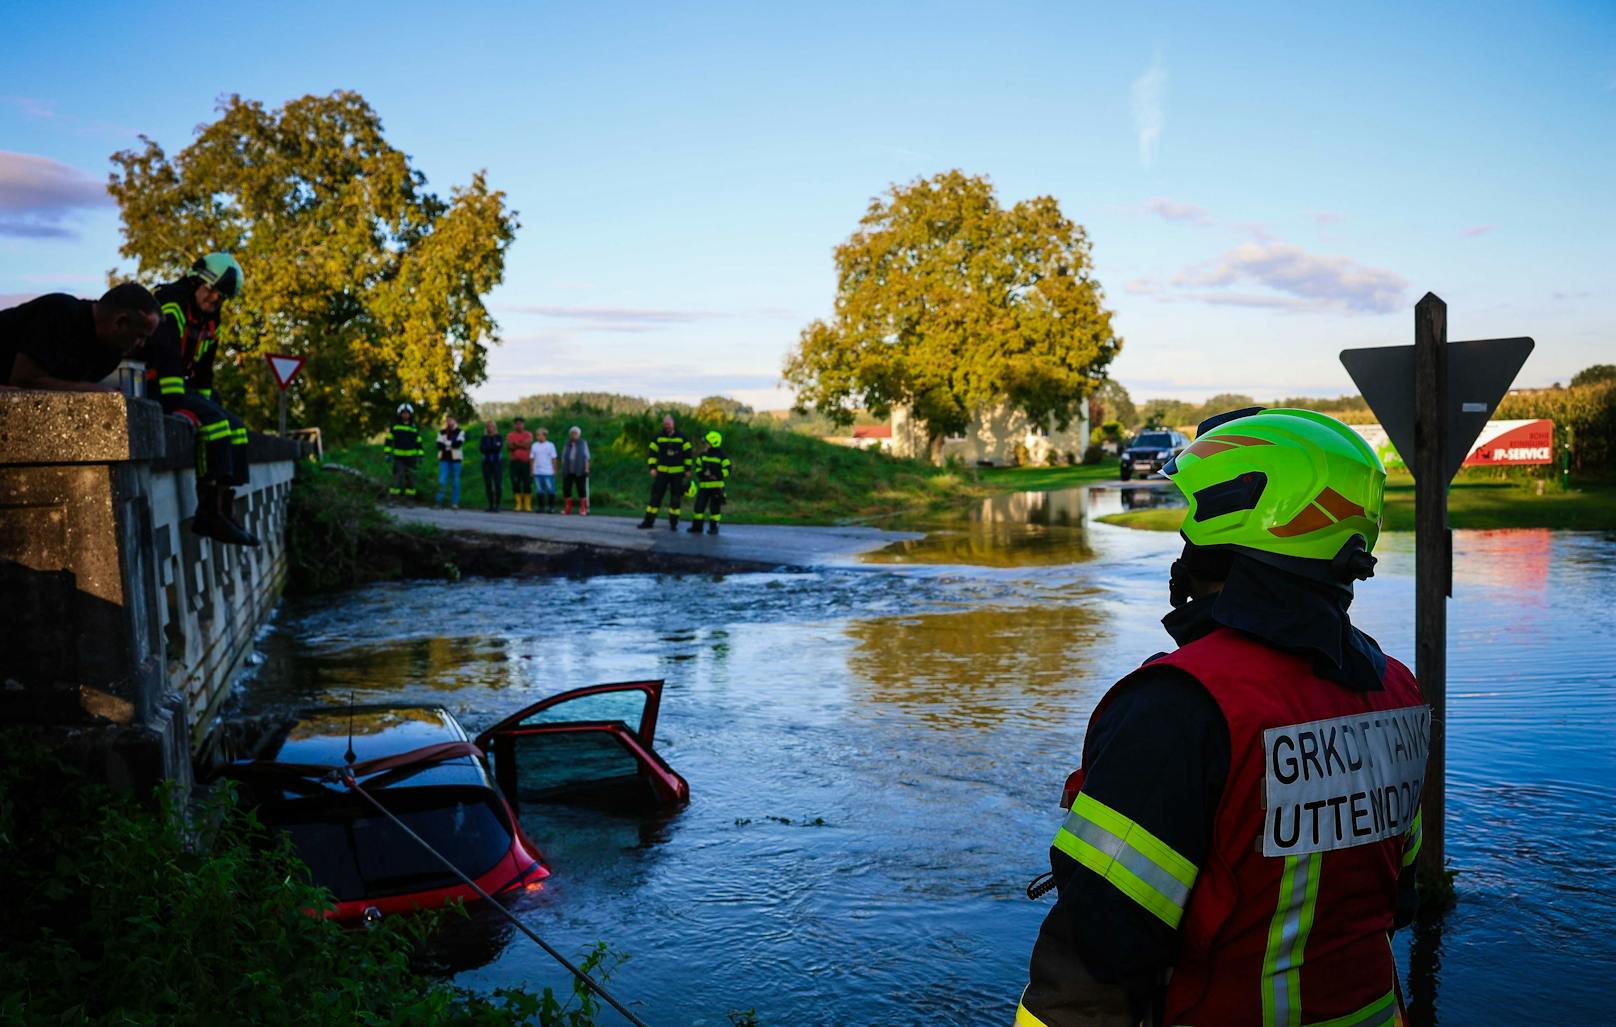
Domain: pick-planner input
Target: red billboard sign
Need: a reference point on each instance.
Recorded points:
(1504, 443)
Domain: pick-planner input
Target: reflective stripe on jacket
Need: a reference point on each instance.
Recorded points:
(712, 468)
(669, 454)
(1286, 923)
(402, 440)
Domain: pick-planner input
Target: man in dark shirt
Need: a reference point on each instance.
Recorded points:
(65, 344)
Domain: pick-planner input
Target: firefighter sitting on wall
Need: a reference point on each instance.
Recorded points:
(669, 461)
(403, 448)
(1241, 836)
(179, 357)
(712, 474)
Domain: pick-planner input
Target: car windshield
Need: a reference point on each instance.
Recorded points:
(357, 853)
(1155, 440)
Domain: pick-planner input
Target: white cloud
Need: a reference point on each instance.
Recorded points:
(1328, 217)
(37, 194)
(1149, 97)
(1173, 210)
(1477, 230)
(1300, 281)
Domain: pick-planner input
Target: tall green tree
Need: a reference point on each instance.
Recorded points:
(948, 303)
(349, 260)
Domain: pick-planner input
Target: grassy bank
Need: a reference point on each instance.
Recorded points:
(779, 476)
(117, 913)
(1477, 503)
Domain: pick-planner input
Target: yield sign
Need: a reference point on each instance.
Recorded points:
(284, 367)
(1479, 373)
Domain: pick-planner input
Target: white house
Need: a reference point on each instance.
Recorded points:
(1002, 437)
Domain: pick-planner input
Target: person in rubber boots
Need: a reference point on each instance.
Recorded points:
(712, 474)
(179, 356)
(669, 461)
(403, 450)
(1239, 841)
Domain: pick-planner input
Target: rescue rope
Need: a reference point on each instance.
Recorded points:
(353, 785)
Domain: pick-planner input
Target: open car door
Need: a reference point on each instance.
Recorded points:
(590, 743)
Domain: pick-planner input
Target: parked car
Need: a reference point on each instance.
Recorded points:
(419, 763)
(1149, 452)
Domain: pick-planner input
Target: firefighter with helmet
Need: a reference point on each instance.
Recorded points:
(711, 478)
(403, 448)
(1240, 840)
(179, 358)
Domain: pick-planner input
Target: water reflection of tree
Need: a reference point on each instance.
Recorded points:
(992, 544)
(375, 672)
(979, 667)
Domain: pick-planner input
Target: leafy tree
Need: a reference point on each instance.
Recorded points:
(947, 303)
(1594, 375)
(349, 259)
(1111, 402)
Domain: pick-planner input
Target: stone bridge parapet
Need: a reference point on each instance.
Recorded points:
(120, 630)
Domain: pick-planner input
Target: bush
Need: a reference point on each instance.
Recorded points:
(120, 914)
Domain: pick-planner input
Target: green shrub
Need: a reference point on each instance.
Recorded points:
(118, 913)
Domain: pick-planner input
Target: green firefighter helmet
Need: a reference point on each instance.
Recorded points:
(1294, 483)
(714, 439)
(221, 271)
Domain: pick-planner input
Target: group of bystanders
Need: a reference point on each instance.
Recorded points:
(532, 460)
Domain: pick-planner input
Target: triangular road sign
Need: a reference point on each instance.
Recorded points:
(284, 367)
(1479, 374)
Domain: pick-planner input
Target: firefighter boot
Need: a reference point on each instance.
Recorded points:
(210, 523)
(673, 522)
(695, 527)
(647, 521)
(712, 527)
(227, 510)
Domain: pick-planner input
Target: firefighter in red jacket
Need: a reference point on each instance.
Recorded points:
(1240, 840)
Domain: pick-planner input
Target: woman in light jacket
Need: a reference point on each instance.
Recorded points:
(575, 470)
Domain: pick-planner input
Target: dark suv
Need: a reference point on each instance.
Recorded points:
(1150, 451)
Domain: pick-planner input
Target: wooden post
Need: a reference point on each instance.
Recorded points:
(1433, 565)
(283, 411)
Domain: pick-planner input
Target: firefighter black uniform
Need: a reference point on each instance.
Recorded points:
(712, 475)
(669, 461)
(403, 448)
(179, 372)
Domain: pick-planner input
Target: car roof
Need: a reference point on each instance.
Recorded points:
(321, 736)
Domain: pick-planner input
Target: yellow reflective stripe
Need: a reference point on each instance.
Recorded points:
(1024, 1018)
(1287, 940)
(1134, 861)
(1413, 837)
(206, 393)
(1380, 1013)
(171, 386)
(175, 311)
(239, 437)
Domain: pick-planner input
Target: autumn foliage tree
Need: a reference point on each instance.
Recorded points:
(948, 303)
(349, 260)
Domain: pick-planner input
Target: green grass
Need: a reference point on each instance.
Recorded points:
(1474, 502)
(779, 476)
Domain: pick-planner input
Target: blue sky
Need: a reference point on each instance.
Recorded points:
(1263, 184)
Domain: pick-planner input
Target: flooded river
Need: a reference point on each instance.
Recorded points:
(876, 752)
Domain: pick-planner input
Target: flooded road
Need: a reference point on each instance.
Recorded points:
(876, 752)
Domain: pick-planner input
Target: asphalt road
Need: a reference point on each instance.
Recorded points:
(772, 544)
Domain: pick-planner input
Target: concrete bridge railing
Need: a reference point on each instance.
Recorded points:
(120, 630)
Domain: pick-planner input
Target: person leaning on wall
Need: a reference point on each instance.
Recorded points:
(61, 343)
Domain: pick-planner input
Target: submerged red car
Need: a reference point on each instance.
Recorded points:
(588, 744)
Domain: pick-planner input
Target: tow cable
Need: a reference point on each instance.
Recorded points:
(353, 785)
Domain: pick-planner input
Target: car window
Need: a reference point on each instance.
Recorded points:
(624, 706)
(1160, 440)
(558, 764)
(357, 853)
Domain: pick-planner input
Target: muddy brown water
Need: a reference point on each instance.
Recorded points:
(876, 753)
